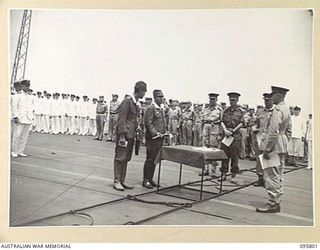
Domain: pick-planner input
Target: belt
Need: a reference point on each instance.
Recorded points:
(188, 119)
(100, 113)
(114, 113)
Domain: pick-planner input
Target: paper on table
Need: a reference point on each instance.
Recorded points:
(205, 149)
(227, 140)
(273, 162)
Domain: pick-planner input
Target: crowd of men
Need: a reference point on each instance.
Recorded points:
(250, 132)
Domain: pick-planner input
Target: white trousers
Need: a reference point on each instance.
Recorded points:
(20, 137)
(92, 127)
(38, 122)
(72, 125)
(46, 123)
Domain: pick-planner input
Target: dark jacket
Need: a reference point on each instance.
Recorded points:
(155, 120)
(127, 118)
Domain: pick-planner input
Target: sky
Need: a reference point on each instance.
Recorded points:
(186, 53)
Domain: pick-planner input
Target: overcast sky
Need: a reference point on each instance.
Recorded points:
(186, 53)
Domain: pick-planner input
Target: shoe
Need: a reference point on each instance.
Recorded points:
(309, 168)
(22, 155)
(147, 184)
(223, 178)
(154, 184)
(275, 208)
(205, 173)
(234, 181)
(259, 183)
(126, 186)
(96, 139)
(117, 186)
(14, 155)
(214, 174)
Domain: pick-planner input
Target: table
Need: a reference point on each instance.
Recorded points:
(192, 156)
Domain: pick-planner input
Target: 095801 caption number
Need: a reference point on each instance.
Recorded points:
(308, 246)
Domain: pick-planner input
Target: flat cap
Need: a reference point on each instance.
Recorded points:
(48, 94)
(115, 95)
(140, 85)
(267, 96)
(38, 92)
(279, 90)
(101, 96)
(213, 95)
(85, 96)
(233, 95)
(72, 95)
(94, 99)
(148, 99)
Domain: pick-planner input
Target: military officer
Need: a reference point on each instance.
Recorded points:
(125, 135)
(232, 120)
(211, 128)
(259, 130)
(156, 124)
(101, 112)
(187, 124)
(22, 115)
(113, 117)
(276, 140)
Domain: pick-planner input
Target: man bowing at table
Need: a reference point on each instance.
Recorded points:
(156, 120)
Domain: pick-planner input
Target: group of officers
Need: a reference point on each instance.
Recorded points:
(157, 122)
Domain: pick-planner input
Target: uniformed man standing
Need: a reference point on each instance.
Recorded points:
(125, 135)
(259, 131)
(155, 120)
(113, 117)
(102, 112)
(22, 115)
(187, 124)
(211, 128)
(38, 112)
(232, 120)
(197, 125)
(92, 117)
(276, 140)
(174, 121)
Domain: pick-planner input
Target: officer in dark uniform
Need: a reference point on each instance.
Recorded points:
(156, 120)
(125, 134)
(231, 121)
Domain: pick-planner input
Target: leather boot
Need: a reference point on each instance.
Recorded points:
(154, 184)
(269, 208)
(147, 184)
(126, 186)
(117, 186)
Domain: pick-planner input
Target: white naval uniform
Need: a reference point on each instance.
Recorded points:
(295, 147)
(21, 109)
(37, 114)
(71, 116)
(46, 114)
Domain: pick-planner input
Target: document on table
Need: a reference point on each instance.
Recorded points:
(273, 162)
(227, 140)
(205, 149)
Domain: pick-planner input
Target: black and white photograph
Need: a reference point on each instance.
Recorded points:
(162, 117)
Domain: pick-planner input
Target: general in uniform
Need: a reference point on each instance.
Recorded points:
(211, 127)
(276, 140)
(259, 130)
(231, 121)
(155, 121)
(125, 135)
